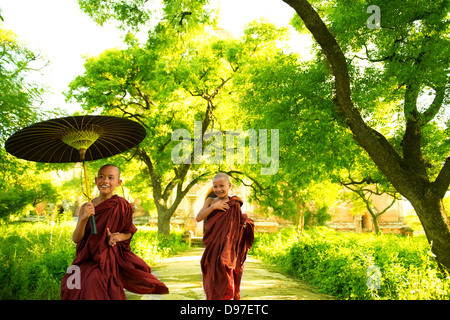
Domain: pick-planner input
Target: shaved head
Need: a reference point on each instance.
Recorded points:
(222, 175)
(113, 166)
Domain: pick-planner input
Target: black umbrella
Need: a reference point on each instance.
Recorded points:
(75, 139)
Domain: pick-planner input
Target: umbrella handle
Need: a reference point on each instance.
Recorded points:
(93, 225)
(91, 218)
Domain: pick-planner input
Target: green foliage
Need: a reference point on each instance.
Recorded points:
(35, 256)
(340, 264)
(153, 247)
(19, 99)
(130, 13)
(296, 97)
(21, 184)
(183, 73)
(409, 52)
(34, 259)
(26, 184)
(133, 14)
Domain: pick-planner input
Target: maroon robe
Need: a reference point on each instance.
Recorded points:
(228, 237)
(104, 270)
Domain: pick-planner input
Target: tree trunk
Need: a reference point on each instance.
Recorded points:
(161, 197)
(300, 214)
(435, 222)
(161, 193)
(376, 226)
(164, 221)
(408, 174)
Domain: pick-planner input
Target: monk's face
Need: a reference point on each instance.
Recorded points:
(221, 186)
(107, 180)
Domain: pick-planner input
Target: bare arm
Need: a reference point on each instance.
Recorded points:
(86, 211)
(209, 206)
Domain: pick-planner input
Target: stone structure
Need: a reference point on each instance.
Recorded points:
(392, 221)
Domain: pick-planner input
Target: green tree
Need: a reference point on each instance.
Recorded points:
(406, 59)
(279, 90)
(182, 74)
(20, 99)
(19, 106)
(137, 14)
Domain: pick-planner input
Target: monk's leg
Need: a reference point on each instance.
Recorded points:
(237, 274)
(94, 286)
(229, 293)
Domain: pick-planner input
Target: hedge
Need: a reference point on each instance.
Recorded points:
(357, 266)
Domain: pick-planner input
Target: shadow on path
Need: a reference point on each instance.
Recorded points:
(183, 276)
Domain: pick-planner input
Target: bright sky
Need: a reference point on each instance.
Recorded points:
(63, 34)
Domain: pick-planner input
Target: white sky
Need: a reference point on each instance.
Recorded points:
(63, 34)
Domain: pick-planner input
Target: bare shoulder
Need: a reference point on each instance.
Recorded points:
(209, 201)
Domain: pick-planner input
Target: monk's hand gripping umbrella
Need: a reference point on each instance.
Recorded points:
(75, 139)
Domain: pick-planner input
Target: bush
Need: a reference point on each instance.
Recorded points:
(35, 256)
(153, 247)
(357, 266)
(34, 259)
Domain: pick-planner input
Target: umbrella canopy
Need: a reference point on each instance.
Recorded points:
(59, 140)
(74, 139)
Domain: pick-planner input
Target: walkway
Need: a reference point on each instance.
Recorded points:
(182, 274)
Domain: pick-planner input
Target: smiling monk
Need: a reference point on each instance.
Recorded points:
(104, 264)
(229, 234)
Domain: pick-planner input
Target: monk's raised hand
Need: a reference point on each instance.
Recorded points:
(112, 237)
(108, 235)
(222, 205)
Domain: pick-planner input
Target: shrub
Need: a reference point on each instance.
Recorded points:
(153, 247)
(34, 259)
(346, 265)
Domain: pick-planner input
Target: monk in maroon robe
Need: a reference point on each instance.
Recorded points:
(104, 264)
(229, 235)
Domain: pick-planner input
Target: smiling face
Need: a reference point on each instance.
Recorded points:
(107, 180)
(221, 186)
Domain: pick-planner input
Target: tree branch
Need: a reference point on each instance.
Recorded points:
(412, 139)
(260, 188)
(156, 181)
(442, 182)
(434, 108)
(379, 149)
(387, 208)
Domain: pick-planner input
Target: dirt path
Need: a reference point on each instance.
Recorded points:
(182, 274)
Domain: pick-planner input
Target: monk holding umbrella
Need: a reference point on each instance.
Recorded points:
(104, 264)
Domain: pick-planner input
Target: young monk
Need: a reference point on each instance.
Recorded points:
(104, 263)
(229, 235)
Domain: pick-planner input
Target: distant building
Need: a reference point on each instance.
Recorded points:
(392, 221)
